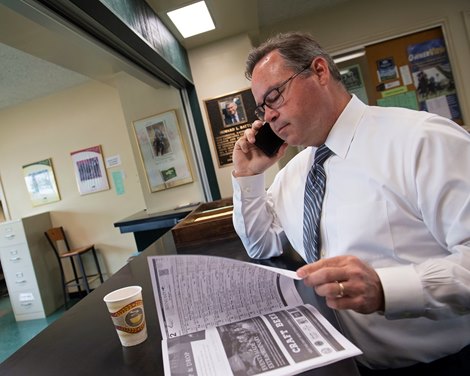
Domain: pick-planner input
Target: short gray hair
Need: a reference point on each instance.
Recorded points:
(296, 48)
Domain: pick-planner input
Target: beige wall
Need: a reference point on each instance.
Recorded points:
(91, 114)
(140, 101)
(52, 127)
(218, 69)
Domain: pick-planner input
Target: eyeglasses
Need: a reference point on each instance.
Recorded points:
(273, 98)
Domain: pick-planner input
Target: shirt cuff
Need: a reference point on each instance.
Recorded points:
(249, 186)
(403, 292)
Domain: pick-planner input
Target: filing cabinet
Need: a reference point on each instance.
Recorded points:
(30, 268)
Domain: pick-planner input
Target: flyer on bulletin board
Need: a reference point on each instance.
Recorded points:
(386, 69)
(433, 79)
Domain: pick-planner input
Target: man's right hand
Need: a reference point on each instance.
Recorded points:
(248, 159)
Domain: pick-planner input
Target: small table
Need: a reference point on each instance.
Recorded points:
(148, 227)
(84, 342)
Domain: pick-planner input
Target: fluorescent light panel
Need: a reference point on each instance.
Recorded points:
(351, 56)
(192, 19)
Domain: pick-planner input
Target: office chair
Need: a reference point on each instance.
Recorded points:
(58, 241)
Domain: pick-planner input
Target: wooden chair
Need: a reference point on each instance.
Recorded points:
(58, 241)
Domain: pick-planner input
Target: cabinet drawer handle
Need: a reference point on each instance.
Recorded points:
(26, 304)
(15, 259)
(21, 282)
(10, 236)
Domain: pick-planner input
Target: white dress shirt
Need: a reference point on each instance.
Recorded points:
(398, 197)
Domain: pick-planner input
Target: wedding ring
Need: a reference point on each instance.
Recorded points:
(341, 290)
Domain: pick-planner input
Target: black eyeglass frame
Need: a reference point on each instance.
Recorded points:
(259, 110)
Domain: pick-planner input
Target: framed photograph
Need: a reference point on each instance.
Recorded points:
(351, 77)
(233, 110)
(90, 171)
(229, 116)
(40, 182)
(162, 151)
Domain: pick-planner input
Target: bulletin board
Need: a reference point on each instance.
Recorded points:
(414, 71)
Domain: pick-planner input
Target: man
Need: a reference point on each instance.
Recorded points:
(233, 115)
(158, 142)
(394, 243)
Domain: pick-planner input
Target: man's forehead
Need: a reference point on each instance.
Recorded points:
(266, 74)
(270, 61)
(266, 59)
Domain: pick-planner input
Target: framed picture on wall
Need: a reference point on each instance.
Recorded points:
(351, 76)
(229, 116)
(90, 171)
(162, 151)
(40, 182)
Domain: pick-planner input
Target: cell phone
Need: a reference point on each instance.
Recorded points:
(268, 141)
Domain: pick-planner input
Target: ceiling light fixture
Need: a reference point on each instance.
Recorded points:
(192, 19)
(350, 56)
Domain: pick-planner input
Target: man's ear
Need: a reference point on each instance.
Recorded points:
(321, 69)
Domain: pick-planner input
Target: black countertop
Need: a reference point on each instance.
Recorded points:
(84, 342)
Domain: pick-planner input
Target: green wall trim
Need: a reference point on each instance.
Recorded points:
(141, 18)
(162, 55)
(203, 143)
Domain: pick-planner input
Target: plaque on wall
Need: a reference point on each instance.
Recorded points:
(229, 116)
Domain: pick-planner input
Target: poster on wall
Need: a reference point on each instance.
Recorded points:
(229, 116)
(386, 69)
(40, 182)
(162, 151)
(90, 171)
(351, 77)
(433, 79)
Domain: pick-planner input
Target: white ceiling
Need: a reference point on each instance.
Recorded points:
(36, 61)
(233, 17)
(24, 77)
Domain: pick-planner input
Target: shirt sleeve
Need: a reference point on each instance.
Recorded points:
(254, 219)
(438, 287)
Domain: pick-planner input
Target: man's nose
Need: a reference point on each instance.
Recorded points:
(270, 115)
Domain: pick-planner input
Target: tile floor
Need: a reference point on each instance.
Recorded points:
(15, 334)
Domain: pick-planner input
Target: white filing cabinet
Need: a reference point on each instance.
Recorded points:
(30, 267)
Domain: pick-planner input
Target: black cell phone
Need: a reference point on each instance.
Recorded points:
(268, 141)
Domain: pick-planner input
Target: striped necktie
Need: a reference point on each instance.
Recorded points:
(314, 192)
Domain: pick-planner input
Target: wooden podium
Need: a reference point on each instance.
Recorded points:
(208, 222)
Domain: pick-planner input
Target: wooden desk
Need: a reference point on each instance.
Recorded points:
(84, 342)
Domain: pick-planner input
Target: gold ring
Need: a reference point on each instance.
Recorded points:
(341, 290)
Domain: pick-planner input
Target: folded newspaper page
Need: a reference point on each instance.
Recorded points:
(220, 316)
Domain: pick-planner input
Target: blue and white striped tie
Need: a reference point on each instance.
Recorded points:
(313, 200)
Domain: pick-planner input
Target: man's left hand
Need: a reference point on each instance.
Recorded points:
(346, 282)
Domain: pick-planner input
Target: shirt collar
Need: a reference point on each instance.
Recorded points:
(343, 131)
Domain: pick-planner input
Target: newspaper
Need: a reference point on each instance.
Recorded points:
(220, 316)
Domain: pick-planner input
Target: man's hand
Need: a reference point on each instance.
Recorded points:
(346, 282)
(248, 159)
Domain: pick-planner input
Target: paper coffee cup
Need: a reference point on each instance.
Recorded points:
(127, 312)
